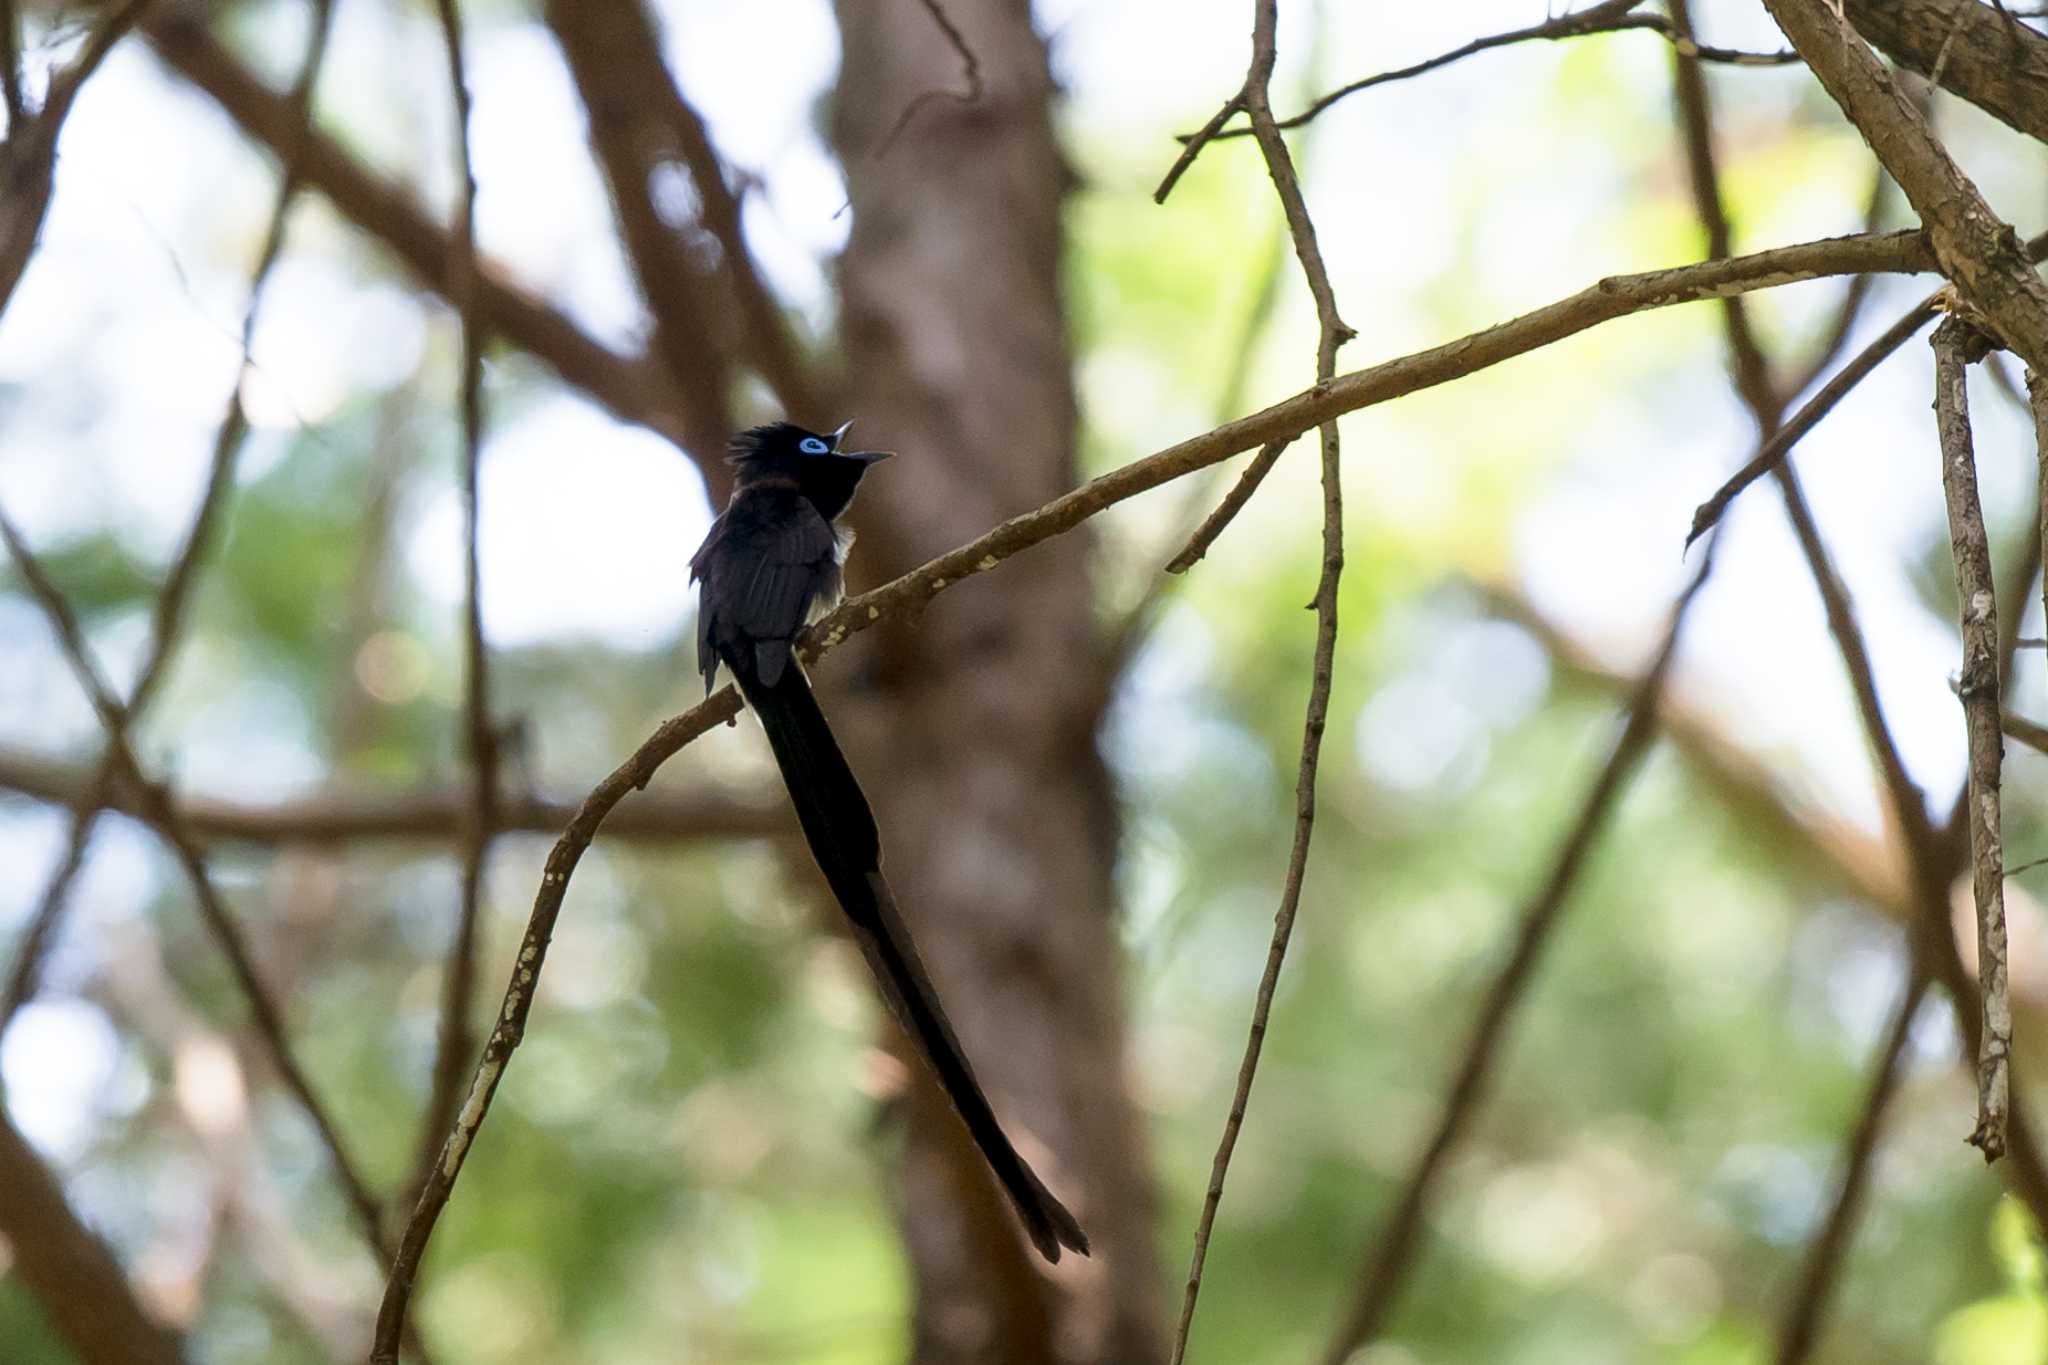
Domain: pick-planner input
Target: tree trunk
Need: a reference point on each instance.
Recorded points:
(978, 724)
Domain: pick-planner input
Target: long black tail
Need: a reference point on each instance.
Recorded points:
(841, 831)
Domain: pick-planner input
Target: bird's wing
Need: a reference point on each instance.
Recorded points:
(762, 569)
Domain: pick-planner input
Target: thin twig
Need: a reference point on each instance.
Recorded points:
(1332, 334)
(1754, 383)
(904, 597)
(970, 75)
(1611, 16)
(1955, 342)
(162, 816)
(2037, 403)
(167, 618)
(1710, 512)
(1825, 1253)
(1194, 142)
(458, 978)
(1772, 454)
(1395, 1244)
(635, 388)
(1226, 511)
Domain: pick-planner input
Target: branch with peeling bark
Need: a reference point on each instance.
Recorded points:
(1956, 343)
(1977, 249)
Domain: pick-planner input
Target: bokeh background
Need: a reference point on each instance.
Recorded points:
(691, 1157)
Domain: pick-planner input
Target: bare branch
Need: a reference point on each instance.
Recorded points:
(69, 1270)
(12, 101)
(703, 811)
(167, 618)
(1226, 511)
(1396, 1244)
(1996, 64)
(28, 156)
(633, 388)
(2037, 404)
(970, 76)
(904, 597)
(1955, 341)
(1753, 381)
(213, 911)
(1977, 249)
(1610, 16)
(1770, 457)
(1824, 1255)
(1332, 334)
(457, 1041)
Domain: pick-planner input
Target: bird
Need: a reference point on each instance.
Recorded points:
(772, 562)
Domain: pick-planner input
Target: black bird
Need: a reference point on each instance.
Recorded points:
(770, 565)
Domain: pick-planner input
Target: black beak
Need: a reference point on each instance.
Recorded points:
(864, 456)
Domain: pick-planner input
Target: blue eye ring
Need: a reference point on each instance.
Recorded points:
(811, 445)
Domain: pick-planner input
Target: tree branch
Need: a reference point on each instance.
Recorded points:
(1610, 16)
(430, 814)
(69, 1270)
(633, 388)
(167, 618)
(905, 597)
(1332, 334)
(1396, 1244)
(1955, 342)
(457, 1039)
(1982, 55)
(213, 911)
(1824, 1254)
(1977, 249)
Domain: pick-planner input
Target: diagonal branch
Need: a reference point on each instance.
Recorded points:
(632, 388)
(68, 1270)
(905, 597)
(1977, 249)
(167, 618)
(1396, 1244)
(1982, 55)
(1824, 1254)
(1956, 342)
(213, 911)
(1609, 16)
(28, 155)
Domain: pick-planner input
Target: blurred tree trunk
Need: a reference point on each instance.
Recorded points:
(979, 723)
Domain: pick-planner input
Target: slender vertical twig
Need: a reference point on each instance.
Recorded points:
(458, 982)
(1333, 333)
(1956, 343)
(2037, 402)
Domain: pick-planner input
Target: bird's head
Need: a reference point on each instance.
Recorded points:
(821, 469)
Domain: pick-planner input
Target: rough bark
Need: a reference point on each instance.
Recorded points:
(978, 727)
(1991, 59)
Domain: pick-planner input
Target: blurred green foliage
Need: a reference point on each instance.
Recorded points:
(685, 1162)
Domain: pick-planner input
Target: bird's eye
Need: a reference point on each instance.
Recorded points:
(811, 445)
